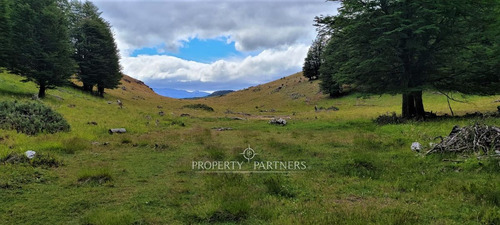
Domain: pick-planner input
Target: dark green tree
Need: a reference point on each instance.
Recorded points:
(313, 59)
(96, 51)
(41, 49)
(405, 46)
(5, 32)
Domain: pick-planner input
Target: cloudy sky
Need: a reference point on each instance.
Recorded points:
(209, 45)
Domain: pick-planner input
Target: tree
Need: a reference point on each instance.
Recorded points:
(313, 59)
(405, 46)
(96, 50)
(41, 49)
(6, 32)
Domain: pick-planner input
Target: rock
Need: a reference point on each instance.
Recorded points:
(110, 102)
(71, 105)
(161, 113)
(159, 106)
(222, 128)
(124, 88)
(415, 146)
(119, 103)
(185, 115)
(237, 118)
(30, 154)
(279, 121)
(95, 143)
(92, 123)
(117, 130)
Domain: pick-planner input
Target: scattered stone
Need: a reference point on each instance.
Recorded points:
(161, 113)
(222, 128)
(92, 123)
(185, 115)
(415, 146)
(237, 118)
(280, 121)
(124, 88)
(71, 105)
(117, 131)
(119, 103)
(95, 143)
(159, 107)
(148, 117)
(105, 143)
(30, 154)
(110, 102)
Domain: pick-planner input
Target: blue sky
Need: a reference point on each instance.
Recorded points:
(210, 45)
(199, 50)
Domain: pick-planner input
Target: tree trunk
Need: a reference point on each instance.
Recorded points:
(100, 91)
(419, 105)
(413, 106)
(87, 87)
(41, 90)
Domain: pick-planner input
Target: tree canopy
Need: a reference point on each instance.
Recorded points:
(41, 50)
(96, 51)
(405, 46)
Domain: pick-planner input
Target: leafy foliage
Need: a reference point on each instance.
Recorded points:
(30, 118)
(313, 60)
(5, 35)
(382, 46)
(41, 49)
(96, 51)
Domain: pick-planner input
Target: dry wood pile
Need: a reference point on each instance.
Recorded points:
(482, 139)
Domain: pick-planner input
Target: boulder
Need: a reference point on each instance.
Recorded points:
(415, 146)
(280, 121)
(117, 131)
(30, 154)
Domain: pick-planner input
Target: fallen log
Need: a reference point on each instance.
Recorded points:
(117, 131)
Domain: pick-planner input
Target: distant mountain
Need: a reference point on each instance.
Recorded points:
(220, 93)
(174, 93)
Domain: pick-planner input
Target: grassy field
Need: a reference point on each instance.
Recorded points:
(357, 172)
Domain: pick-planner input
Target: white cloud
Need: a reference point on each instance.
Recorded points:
(169, 71)
(252, 25)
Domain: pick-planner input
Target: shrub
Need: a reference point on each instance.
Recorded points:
(389, 119)
(199, 106)
(31, 118)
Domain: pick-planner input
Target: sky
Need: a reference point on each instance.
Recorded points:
(210, 45)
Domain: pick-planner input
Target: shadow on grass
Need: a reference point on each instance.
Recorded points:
(19, 94)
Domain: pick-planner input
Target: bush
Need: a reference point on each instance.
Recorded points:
(31, 118)
(389, 119)
(199, 106)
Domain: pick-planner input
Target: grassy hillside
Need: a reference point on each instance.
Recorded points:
(357, 172)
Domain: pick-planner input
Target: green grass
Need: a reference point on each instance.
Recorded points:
(358, 172)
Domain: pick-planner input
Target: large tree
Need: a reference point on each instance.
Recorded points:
(41, 50)
(406, 46)
(96, 51)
